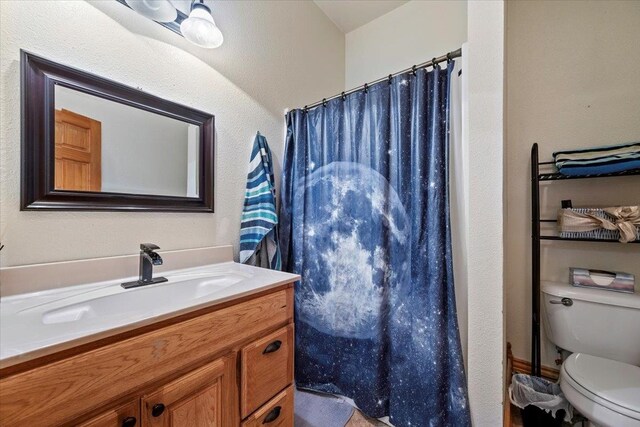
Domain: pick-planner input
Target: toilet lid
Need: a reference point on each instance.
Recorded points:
(616, 382)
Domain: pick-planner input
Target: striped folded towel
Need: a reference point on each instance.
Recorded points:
(599, 160)
(258, 232)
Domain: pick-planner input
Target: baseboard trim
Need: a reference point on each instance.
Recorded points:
(524, 367)
(506, 402)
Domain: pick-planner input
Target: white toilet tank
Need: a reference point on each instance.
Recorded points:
(597, 322)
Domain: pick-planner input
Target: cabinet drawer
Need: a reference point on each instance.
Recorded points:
(127, 415)
(267, 368)
(278, 412)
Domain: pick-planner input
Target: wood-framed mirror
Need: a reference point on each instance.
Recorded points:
(89, 143)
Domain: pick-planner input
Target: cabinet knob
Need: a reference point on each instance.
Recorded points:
(157, 409)
(129, 422)
(274, 346)
(272, 415)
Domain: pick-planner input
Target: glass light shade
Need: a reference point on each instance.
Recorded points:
(200, 29)
(158, 10)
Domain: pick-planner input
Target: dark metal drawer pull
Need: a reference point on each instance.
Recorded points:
(273, 415)
(129, 422)
(274, 346)
(157, 409)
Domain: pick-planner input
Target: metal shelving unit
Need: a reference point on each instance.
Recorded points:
(558, 176)
(536, 238)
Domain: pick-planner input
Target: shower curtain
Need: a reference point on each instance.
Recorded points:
(365, 221)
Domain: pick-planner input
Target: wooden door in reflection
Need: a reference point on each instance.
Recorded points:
(78, 165)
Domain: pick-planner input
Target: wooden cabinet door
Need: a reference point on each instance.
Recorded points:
(127, 415)
(205, 397)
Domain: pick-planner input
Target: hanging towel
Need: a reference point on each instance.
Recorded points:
(599, 160)
(258, 231)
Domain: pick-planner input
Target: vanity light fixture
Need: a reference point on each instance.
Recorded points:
(199, 28)
(158, 10)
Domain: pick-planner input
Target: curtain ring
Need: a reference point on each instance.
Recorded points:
(433, 63)
(343, 96)
(390, 77)
(449, 58)
(366, 88)
(413, 70)
(306, 109)
(324, 102)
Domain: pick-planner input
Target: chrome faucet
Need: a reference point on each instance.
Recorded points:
(148, 258)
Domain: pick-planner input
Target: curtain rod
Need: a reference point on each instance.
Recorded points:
(447, 57)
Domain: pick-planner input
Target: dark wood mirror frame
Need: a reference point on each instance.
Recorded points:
(38, 79)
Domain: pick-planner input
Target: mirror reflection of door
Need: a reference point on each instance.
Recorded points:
(78, 152)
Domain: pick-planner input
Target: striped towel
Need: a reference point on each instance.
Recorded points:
(599, 160)
(258, 231)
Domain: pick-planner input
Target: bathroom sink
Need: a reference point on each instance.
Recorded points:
(145, 300)
(50, 320)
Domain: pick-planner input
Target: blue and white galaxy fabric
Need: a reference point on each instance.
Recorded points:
(365, 221)
(258, 231)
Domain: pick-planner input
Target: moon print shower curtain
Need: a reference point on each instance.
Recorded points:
(365, 222)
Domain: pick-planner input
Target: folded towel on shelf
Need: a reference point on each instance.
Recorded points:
(622, 223)
(599, 279)
(258, 231)
(599, 160)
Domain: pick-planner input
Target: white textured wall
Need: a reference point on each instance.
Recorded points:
(276, 55)
(572, 82)
(411, 34)
(485, 68)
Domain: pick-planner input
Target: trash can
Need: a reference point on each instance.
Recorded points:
(541, 401)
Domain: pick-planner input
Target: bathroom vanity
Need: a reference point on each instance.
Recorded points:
(213, 348)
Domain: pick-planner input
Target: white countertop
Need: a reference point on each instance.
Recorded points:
(55, 319)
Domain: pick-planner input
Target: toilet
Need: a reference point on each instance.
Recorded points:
(601, 378)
